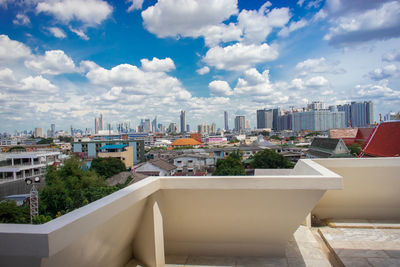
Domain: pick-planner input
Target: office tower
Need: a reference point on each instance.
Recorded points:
(146, 126)
(226, 126)
(264, 118)
(172, 128)
(53, 130)
(72, 131)
(276, 112)
(318, 120)
(183, 121)
(213, 128)
(187, 128)
(240, 123)
(101, 125)
(362, 114)
(154, 125)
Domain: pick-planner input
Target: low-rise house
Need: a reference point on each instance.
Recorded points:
(156, 167)
(190, 164)
(328, 148)
(183, 142)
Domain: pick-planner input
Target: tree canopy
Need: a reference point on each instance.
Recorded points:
(269, 159)
(231, 165)
(355, 149)
(107, 167)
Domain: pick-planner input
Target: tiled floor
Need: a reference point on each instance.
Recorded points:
(302, 250)
(365, 247)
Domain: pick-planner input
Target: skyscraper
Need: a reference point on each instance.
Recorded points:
(240, 122)
(265, 118)
(146, 126)
(362, 113)
(154, 125)
(53, 130)
(101, 125)
(226, 126)
(183, 121)
(347, 113)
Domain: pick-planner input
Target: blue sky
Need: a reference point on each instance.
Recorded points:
(67, 61)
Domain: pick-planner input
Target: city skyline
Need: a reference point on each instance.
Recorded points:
(139, 59)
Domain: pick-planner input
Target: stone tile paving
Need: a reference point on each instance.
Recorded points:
(302, 250)
(365, 247)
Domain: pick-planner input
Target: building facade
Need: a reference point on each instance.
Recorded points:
(183, 121)
(240, 123)
(318, 120)
(226, 126)
(264, 118)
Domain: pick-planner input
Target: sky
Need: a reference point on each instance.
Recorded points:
(67, 61)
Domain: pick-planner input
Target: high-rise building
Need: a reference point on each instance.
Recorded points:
(38, 132)
(154, 125)
(318, 120)
(276, 112)
(172, 128)
(346, 108)
(101, 125)
(362, 114)
(183, 121)
(203, 128)
(187, 128)
(53, 130)
(72, 131)
(264, 118)
(146, 126)
(226, 126)
(285, 122)
(316, 105)
(240, 123)
(213, 128)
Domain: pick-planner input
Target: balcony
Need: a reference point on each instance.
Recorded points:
(189, 218)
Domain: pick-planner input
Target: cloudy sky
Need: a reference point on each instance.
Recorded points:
(67, 61)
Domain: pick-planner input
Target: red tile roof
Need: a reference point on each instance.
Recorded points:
(363, 134)
(384, 141)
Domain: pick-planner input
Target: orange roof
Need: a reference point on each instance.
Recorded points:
(343, 133)
(185, 142)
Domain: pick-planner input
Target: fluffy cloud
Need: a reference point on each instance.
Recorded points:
(53, 62)
(318, 65)
(80, 33)
(393, 55)
(380, 23)
(220, 88)
(89, 12)
(57, 32)
(158, 65)
(135, 5)
(37, 83)
(203, 70)
(239, 56)
(164, 19)
(7, 78)
(11, 50)
(317, 82)
(295, 25)
(384, 73)
(21, 19)
(257, 25)
(380, 90)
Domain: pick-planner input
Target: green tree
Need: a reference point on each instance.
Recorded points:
(17, 148)
(45, 141)
(355, 149)
(107, 167)
(67, 139)
(269, 159)
(10, 212)
(275, 137)
(231, 165)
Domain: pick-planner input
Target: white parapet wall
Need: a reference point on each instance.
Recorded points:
(371, 189)
(230, 216)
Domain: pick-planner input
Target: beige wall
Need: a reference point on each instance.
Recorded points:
(125, 156)
(371, 189)
(174, 215)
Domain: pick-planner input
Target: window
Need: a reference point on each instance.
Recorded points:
(179, 161)
(190, 161)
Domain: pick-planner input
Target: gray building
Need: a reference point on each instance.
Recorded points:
(183, 121)
(362, 114)
(226, 126)
(265, 118)
(285, 122)
(240, 123)
(346, 108)
(318, 120)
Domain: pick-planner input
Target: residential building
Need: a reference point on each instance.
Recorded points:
(265, 118)
(362, 114)
(328, 148)
(183, 121)
(316, 105)
(318, 120)
(226, 126)
(392, 116)
(172, 128)
(38, 132)
(157, 167)
(193, 164)
(285, 122)
(147, 126)
(119, 151)
(187, 128)
(154, 125)
(240, 123)
(347, 113)
(53, 130)
(213, 129)
(276, 112)
(90, 149)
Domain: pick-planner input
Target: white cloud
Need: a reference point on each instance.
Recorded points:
(37, 83)
(158, 65)
(12, 50)
(385, 72)
(80, 33)
(215, 34)
(317, 82)
(380, 90)
(21, 19)
(220, 88)
(186, 17)
(379, 23)
(239, 56)
(135, 5)
(300, 2)
(295, 25)
(203, 70)
(257, 25)
(53, 62)
(57, 32)
(393, 55)
(89, 12)
(7, 78)
(318, 65)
